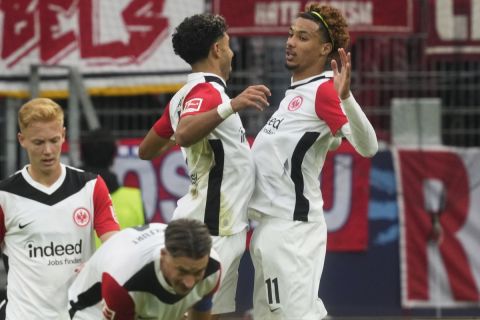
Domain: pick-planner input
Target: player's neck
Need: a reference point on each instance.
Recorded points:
(207, 66)
(45, 178)
(298, 75)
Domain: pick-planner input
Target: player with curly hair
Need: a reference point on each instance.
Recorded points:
(289, 244)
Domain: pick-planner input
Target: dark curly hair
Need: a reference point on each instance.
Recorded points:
(188, 238)
(337, 32)
(193, 37)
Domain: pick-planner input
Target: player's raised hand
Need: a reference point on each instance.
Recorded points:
(341, 79)
(252, 97)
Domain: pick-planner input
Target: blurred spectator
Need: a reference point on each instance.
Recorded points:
(98, 149)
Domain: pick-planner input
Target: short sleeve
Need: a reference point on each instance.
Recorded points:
(203, 97)
(104, 215)
(163, 126)
(327, 106)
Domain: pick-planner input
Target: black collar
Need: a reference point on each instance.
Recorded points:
(311, 80)
(215, 79)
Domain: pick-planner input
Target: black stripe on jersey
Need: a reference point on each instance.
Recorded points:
(301, 84)
(216, 80)
(88, 298)
(5, 262)
(215, 177)
(302, 206)
(74, 182)
(145, 280)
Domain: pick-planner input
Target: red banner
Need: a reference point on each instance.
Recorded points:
(439, 201)
(454, 27)
(273, 17)
(345, 186)
(115, 44)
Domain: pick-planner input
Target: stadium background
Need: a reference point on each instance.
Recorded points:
(416, 72)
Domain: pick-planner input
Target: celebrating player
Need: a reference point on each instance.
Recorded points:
(150, 272)
(204, 121)
(48, 212)
(288, 246)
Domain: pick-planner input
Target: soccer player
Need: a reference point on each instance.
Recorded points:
(289, 244)
(150, 272)
(204, 121)
(48, 212)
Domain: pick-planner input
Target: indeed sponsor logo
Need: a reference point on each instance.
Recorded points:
(53, 250)
(272, 125)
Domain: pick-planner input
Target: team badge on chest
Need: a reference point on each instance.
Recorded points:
(295, 104)
(81, 216)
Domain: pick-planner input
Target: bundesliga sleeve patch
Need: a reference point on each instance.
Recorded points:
(192, 105)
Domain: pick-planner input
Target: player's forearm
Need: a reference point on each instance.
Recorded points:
(153, 146)
(359, 131)
(193, 128)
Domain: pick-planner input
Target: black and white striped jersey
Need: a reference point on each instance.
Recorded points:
(291, 148)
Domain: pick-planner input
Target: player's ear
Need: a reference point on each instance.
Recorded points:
(163, 252)
(21, 138)
(215, 49)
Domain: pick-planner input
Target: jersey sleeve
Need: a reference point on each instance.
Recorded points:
(163, 126)
(203, 97)
(104, 215)
(327, 106)
(3, 230)
(119, 305)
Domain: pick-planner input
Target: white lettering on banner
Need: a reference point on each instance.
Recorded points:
(276, 13)
(356, 13)
(338, 215)
(283, 13)
(448, 25)
(455, 26)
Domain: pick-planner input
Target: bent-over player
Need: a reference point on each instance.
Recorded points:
(155, 271)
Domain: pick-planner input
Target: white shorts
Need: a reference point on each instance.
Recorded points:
(288, 257)
(230, 250)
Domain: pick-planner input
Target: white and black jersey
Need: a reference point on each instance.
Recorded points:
(125, 275)
(45, 233)
(220, 165)
(290, 150)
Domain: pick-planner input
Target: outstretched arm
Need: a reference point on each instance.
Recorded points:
(192, 128)
(358, 131)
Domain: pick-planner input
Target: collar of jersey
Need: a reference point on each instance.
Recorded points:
(207, 77)
(48, 190)
(326, 74)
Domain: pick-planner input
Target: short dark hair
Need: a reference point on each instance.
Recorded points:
(188, 238)
(193, 37)
(98, 148)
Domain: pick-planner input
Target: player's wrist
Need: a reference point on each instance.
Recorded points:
(225, 110)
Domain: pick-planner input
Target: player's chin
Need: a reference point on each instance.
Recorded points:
(290, 66)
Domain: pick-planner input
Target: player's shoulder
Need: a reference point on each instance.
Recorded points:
(13, 181)
(78, 175)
